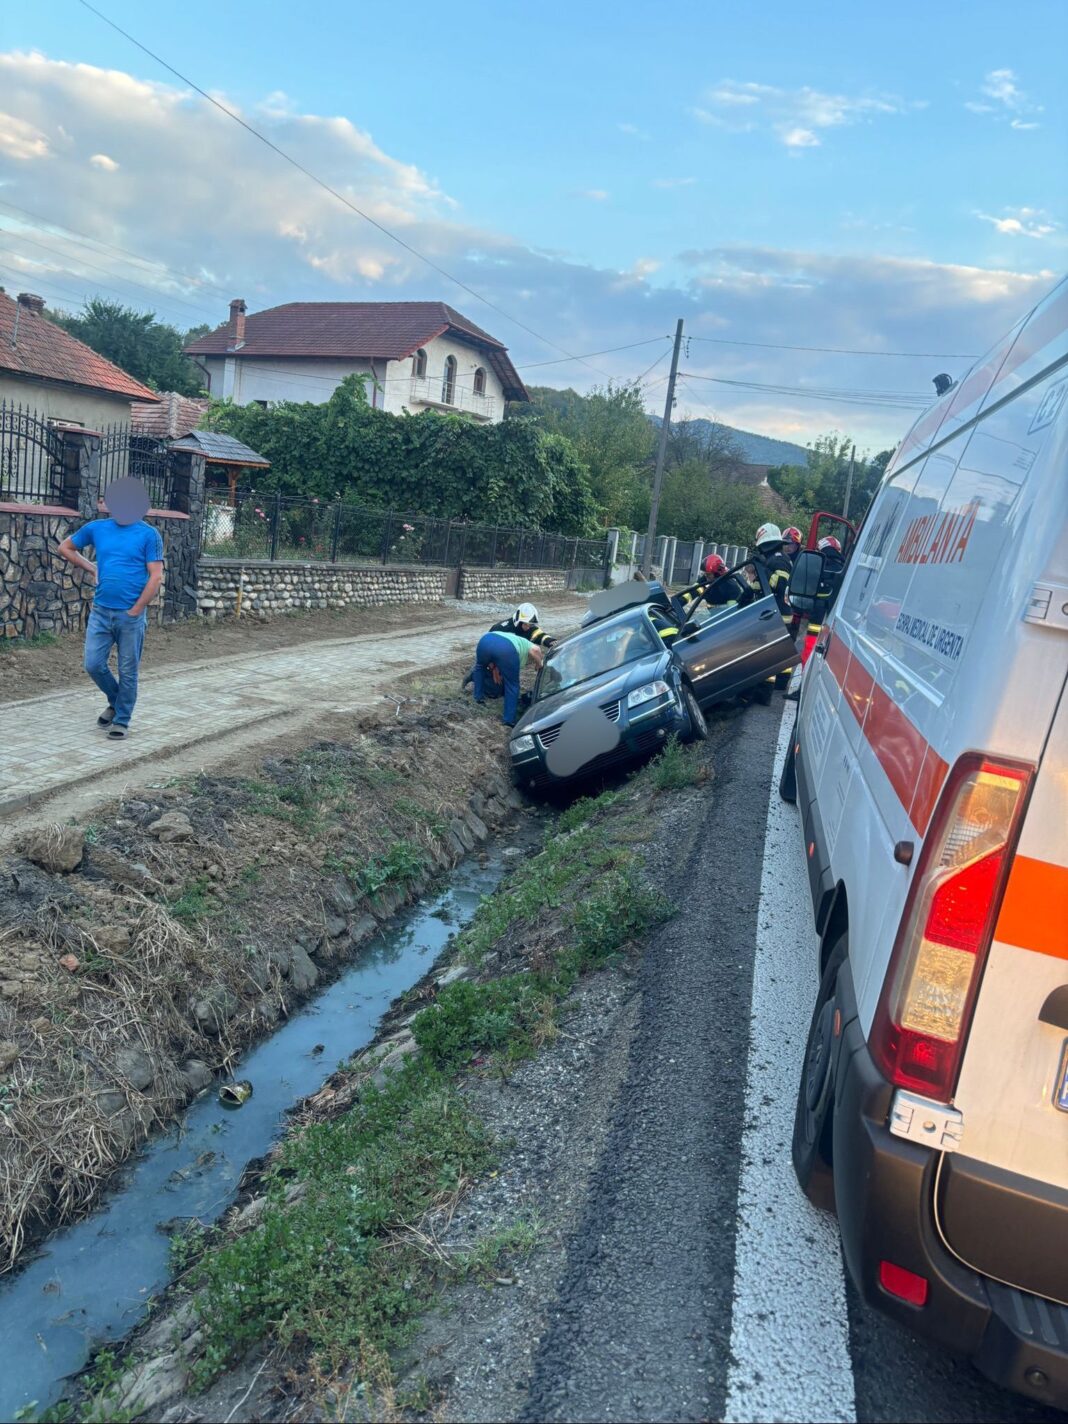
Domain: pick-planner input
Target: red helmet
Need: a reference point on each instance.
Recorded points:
(714, 566)
(830, 543)
(791, 535)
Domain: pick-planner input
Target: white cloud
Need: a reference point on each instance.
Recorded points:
(674, 182)
(19, 139)
(633, 131)
(247, 225)
(800, 138)
(101, 160)
(1021, 222)
(595, 195)
(1005, 100)
(794, 115)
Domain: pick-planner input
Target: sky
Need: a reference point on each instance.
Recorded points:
(837, 175)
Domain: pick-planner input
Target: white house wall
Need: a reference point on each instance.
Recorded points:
(314, 379)
(71, 403)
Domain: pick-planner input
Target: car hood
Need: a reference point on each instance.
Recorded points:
(605, 688)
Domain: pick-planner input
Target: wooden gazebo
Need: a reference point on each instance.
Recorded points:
(223, 454)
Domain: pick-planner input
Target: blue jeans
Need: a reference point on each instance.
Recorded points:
(492, 648)
(114, 626)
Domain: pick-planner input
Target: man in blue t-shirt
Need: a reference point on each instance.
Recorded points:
(128, 572)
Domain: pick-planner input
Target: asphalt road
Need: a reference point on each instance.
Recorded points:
(700, 1284)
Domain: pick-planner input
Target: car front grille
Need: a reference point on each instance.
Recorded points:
(548, 735)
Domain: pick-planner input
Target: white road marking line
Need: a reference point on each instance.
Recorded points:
(790, 1355)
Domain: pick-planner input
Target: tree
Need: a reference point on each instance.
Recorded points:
(612, 437)
(821, 484)
(148, 349)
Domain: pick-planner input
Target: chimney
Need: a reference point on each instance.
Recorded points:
(32, 303)
(236, 330)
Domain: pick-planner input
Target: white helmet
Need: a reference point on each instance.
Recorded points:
(525, 613)
(768, 534)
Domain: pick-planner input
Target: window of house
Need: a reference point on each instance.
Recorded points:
(480, 382)
(261, 403)
(448, 381)
(419, 363)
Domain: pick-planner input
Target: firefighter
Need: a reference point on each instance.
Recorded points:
(522, 624)
(791, 543)
(833, 566)
(718, 588)
(769, 552)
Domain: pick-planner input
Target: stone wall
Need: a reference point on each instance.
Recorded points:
(41, 593)
(282, 587)
(504, 585)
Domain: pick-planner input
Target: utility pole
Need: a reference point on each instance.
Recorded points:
(661, 452)
(849, 482)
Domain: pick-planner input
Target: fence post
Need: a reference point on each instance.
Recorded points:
(337, 533)
(276, 519)
(493, 549)
(463, 542)
(611, 552)
(695, 561)
(387, 536)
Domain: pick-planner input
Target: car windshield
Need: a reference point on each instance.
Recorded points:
(599, 651)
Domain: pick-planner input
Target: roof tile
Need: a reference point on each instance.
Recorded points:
(46, 351)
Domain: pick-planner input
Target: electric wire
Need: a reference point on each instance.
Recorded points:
(834, 350)
(844, 397)
(308, 173)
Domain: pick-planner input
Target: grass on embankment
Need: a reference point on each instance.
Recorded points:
(341, 1261)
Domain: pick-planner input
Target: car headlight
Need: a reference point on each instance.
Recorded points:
(521, 745)
(648, 693)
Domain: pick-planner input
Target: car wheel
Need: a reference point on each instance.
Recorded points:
(812, 1147)
(788, 779)
(698, 726)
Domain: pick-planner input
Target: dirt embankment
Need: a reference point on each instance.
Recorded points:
(448, 1158)
(140, 952)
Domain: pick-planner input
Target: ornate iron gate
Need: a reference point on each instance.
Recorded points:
(31, 457)
(124, 453)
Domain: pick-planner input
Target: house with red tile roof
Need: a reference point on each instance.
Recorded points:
(420, 356)
(44, 367)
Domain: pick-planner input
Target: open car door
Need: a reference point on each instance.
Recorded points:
(725, 650)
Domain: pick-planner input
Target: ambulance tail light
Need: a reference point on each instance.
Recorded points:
(923, 1017)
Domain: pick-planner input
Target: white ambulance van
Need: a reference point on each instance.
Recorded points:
(930, 767)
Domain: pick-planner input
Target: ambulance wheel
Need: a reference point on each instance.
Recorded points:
(788, 779)
(698, 726)
(813, 1144)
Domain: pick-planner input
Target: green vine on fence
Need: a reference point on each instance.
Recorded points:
(445, 466)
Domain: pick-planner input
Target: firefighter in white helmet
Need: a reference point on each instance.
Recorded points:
(777, 566)
(523, 623)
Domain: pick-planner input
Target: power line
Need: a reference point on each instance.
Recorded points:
(834, 350)
(18, 257)
(845, 397)
(530, 365)
(333, 191)
(159, 296)
(71, 234)
(663, 355)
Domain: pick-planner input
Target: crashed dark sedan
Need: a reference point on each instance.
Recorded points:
(614, 692)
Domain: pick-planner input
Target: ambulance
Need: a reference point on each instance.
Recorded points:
(929, 764)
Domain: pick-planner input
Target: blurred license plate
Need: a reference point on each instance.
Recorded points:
(1060, 1096)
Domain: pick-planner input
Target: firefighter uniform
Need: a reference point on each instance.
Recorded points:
(778, 568)
(723, 592)
(531, 632)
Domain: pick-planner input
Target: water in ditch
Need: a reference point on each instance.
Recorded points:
(92, 1281)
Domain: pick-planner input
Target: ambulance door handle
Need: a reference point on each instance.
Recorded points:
(768, 613)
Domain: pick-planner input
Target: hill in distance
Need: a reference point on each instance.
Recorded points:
(756, 449)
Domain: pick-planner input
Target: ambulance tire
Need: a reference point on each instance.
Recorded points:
(812, 1146)
(698, 726)
(788, 779)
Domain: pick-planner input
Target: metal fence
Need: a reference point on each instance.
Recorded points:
(31, 457)
(281, 527)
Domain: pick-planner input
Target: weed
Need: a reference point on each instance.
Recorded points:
(467, 1018)
(38, 640)
(676, 766)
(186, 1246)
(585, 809)
(194, 902)
(414, 812)
(400, 865)
(620, 910)
(517, 1239)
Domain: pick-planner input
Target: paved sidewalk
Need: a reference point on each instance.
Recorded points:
(52, 742)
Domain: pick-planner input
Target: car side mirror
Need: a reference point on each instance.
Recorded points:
(805, 581)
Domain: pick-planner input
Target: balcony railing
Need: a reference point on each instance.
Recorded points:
(428, 390)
